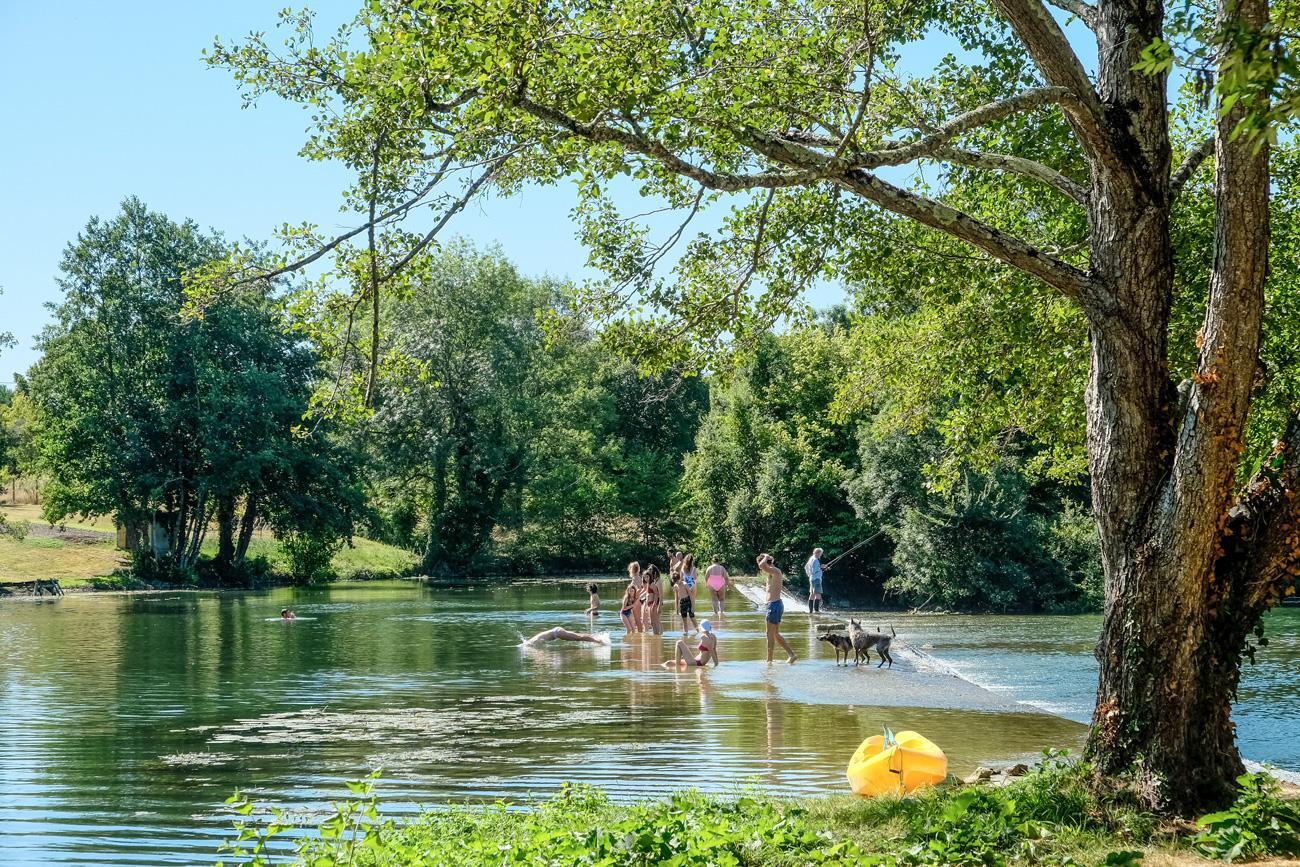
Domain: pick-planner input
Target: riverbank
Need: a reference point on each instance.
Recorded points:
(82, 556)
(1050, 815)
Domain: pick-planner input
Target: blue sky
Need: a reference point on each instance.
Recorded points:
(112, 99)
(109, 100)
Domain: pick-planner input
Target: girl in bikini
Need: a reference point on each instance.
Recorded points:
(706, 651)
(630, 609)
(651, 600)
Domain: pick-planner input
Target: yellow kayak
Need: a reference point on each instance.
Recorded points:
(897, 764)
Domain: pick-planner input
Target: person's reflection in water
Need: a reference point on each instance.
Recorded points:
(774, 708)
(638, 653)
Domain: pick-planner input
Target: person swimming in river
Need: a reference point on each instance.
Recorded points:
(706, 650)
(286, 614)
(689, 575)
(716, 579)
(593, 601)
(628, 606)
(630, 609)
(559, 633)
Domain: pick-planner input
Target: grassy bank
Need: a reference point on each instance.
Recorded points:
(1047, 817)
(82, 555)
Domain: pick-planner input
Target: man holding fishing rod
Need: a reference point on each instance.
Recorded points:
(813, 569)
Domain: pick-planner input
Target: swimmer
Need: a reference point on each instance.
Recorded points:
(631, 610)
(286, 614)
(689, 575)
(593, 601)
(559, 633)
(652, 600)
(707, 650)
(685, 604)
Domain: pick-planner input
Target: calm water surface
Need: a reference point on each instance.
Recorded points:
(125, 721)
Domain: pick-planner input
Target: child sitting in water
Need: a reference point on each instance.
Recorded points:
(286, 614)
(593, 602)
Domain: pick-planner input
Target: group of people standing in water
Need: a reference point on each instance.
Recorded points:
(642, 605)
(641, 608)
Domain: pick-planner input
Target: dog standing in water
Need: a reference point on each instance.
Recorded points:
(842, 644)
(863, 641)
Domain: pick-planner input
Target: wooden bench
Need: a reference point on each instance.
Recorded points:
(38, 586)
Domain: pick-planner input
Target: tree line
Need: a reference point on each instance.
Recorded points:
(506, 436)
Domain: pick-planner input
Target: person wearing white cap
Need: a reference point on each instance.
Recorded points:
(707, 650)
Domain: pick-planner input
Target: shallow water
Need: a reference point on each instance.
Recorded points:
(125, 721)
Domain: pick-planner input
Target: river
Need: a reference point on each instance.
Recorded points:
(126, 720)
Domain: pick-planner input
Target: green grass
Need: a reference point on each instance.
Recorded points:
(73, 564)
(1048, 817)
(27, 512)
(365, 557)
(99, 565)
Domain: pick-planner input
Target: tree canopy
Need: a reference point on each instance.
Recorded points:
(159, 418)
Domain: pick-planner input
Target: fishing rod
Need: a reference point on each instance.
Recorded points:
(854, 548)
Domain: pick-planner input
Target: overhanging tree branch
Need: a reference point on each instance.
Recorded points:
(647, 146)
(1060, 66)
(1189, 165)
(1085, 12)
(1065, 278)
(893, 154)
(1015, 165)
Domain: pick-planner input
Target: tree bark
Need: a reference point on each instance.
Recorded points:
(246, 526)
(225, 534)
(1169, 654)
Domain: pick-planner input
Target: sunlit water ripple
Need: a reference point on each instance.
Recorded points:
(126, 721)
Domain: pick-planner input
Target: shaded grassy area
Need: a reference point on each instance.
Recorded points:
(81, 554)
(1050, 816)
(364, 557)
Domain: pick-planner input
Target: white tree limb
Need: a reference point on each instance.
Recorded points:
(1015, 165)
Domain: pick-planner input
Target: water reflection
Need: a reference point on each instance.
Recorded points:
(125, 721)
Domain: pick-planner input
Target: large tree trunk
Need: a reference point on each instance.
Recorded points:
(246, 526)
(225, 534)
(1163, 474)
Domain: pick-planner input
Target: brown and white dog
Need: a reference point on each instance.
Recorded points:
(842, 644)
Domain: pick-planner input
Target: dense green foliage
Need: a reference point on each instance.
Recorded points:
(148, 415)
(505, 436)
(498, 444)
(778, 467)
(1049, 817)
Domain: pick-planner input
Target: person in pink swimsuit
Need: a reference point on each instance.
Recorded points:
(716, 579)
(707, 650)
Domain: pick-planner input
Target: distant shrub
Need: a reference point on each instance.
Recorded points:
(16, 530)
(311, 556)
